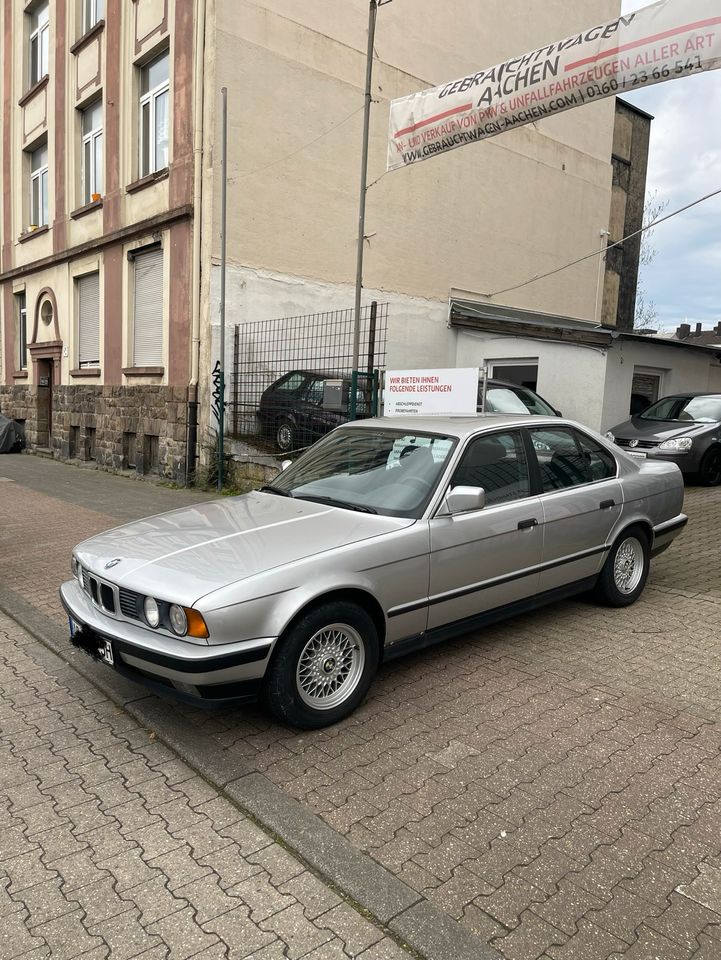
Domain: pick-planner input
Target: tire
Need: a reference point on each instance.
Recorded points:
(625, 571)
(709, 473)
(306, 686)
(285, 435)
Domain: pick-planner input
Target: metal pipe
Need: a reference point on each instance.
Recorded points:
(223, 237)
(363, 178)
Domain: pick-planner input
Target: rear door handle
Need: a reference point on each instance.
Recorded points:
(527, 524)
(606, 504)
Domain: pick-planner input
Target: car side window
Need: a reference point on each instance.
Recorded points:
(313, 392)
(498, 463)
(291, 383)
(599, 461)
(562, 462)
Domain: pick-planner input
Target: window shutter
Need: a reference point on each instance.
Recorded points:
(89, 320)
(148, 317)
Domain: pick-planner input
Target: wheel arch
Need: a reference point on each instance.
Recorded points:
(639, 523)
(356, 595)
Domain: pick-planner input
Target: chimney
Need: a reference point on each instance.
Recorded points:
(683, 330)
(698, 330)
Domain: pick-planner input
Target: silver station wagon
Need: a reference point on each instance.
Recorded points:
(386, 536)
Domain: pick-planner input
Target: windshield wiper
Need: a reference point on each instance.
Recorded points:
(278, 491)
(332, 502)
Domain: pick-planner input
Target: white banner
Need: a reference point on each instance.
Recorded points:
(424, 393)
(666, 41)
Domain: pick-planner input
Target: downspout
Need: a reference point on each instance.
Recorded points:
(198, 94)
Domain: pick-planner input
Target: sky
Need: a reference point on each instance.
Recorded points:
(684, 280)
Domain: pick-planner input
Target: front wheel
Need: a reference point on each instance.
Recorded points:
(285, 436)
(625, 571)
(323, 666)
(709, 472)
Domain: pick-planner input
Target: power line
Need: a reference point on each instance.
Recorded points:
(273, 163)
(616, 243)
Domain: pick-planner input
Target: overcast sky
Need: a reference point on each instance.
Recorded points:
(684, 164)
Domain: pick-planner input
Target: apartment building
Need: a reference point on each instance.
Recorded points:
(97, 220)
(110, 214)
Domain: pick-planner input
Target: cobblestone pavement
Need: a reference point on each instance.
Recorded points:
(554, 782)
(111, 846)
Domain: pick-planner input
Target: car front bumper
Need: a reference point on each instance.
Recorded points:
(199, 673)
(686, 462)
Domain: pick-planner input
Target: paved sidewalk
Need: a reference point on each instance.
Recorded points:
(552, 783)
(111, 846)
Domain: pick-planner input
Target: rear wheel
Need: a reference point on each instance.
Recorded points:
(285, 435)
(625, 571)
(323, 666)
(710, 469)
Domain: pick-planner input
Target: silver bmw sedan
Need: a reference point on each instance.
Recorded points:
(387, 536)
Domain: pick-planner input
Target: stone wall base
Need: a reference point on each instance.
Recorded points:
(140, 429)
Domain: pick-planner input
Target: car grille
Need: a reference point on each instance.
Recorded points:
(130, 603)
(101, 593)
(641, 445)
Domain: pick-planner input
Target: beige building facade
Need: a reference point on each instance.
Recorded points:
(112, 141)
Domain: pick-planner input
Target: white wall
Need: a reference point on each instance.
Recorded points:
(570, 377)
(681, 369)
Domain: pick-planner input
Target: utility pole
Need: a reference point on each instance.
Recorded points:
(372, 14)
(223, 233)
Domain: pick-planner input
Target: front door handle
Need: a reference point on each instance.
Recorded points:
(527, 524)
(606, 504)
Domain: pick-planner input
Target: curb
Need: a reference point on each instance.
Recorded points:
(396, 908)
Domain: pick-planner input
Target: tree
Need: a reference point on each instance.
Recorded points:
(645, 313)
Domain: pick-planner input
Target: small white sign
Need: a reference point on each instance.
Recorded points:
(424, 393)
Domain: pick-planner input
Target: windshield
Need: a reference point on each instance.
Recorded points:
(696, 409)
(373, 470)
(515, 400)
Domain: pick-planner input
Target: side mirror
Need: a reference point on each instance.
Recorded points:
(557, 412)
(285, 464)
(464, 499)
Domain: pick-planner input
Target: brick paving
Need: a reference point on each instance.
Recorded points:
(553, 783)
(111, 846)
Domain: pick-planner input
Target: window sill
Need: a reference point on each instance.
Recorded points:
(85, 209)
(143, 371)
(29, 234)
(144, 182)
(20, 375)
(86, 372)
(89, 35)
(29, 94)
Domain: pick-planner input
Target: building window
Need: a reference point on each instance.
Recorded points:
(39, 43)
(39, 186)
(154, 115)
(22, 328)
(148, 309)
(88, 306)
(93, 10)
(92, 152)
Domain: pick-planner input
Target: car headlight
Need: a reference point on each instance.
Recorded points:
(610, 436)
(152, 612)
(679, 444)
(178, 620)
(77, 570)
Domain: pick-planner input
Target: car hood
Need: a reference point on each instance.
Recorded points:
(187, 553)
(637, 428)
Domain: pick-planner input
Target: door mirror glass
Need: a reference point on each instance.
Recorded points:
(285, 464)
(463, 499)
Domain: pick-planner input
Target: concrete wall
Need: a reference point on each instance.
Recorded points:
(480, 218)
(571, 378)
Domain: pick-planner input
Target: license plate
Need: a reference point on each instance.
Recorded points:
(105, 650)
(637, 454)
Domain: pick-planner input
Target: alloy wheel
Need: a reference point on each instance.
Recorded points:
(628, 565)
(330, 666)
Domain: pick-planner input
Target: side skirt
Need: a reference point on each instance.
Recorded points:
(430, 638)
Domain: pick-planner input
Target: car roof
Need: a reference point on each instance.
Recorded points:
(459, 427)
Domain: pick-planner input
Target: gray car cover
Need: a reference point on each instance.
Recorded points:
(8, 434)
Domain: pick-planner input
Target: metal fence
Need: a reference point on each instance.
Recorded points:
(291, 377)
